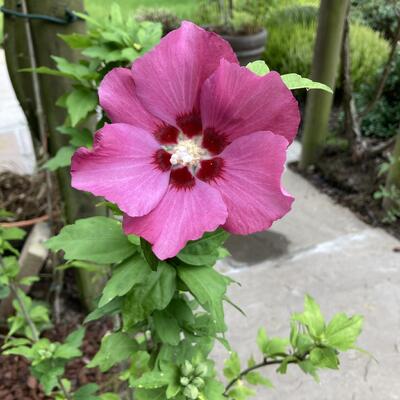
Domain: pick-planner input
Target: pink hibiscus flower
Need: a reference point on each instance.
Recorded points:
(196, 142)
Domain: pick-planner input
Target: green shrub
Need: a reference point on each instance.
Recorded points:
(380, 15)
(291, 43)
(384, 119)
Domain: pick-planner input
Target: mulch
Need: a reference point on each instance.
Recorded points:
(23, 195)
(18, 384)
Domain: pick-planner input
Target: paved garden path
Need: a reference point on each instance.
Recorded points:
(322, 249)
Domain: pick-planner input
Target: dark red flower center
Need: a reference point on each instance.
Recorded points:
(210, 169)
(182, 178)
(190, 124)
(187, 151)
(162, 160)
(167, 134)
(213, 141)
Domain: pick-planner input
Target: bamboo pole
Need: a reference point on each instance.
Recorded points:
(332, 15)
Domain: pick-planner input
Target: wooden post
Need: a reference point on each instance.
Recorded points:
(46, 43)
(332, 14)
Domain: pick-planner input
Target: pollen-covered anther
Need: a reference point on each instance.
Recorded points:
(187, 153)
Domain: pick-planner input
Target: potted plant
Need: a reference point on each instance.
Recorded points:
(240, 22)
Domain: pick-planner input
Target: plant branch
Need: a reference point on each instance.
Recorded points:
(262, 364)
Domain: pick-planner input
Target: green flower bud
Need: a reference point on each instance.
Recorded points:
(198, 382)
(184, 380)
(191, 392)
(187, 368)
(201, 370)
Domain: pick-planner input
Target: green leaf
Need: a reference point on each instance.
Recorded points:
(76, 40)
(130, 272)
(205, 250)
(75, 70)
(15, 342)
(79, 103)
(4, 292)
(241, 392)
(114, 348)
(4, 213)
(259, 67)
(148, 254)
(67, 351)
(342, 332)
(295, 81)
(78, 137)
(111, 308)
(86, 392)
(28, 280)
(150, 394)
(75, 338)
(47, 71)
(311, 317)
(324, 358)
(24, 351)
(232, 366)
(166, 327)
(304, 343)
(262, 339)
(116, 211)
(282, 369)
(271, 347)
(12, 233)
(61, 159)
(155, 293)
(109, 396)
(255, 378)
(208, 287)
(152, 380)
(309, 368)
(48, 372)
(97, 239)
(214, 390)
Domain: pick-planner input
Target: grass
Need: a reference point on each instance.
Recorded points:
(182, 8)
(100, 8)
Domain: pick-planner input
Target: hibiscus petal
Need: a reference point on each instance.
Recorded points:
(117, 95)
(236, 102)
(124, 167)
(250, 182)
(169, 78)
(182, 215)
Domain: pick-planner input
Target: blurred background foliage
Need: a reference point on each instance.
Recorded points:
(291, 26)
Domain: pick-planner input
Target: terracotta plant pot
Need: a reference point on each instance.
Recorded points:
(248, 48)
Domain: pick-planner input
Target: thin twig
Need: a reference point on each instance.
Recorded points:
(262, 364)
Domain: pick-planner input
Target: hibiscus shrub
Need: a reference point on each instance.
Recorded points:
(195, 150)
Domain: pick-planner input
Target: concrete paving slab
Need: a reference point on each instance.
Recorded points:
(322, 249)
